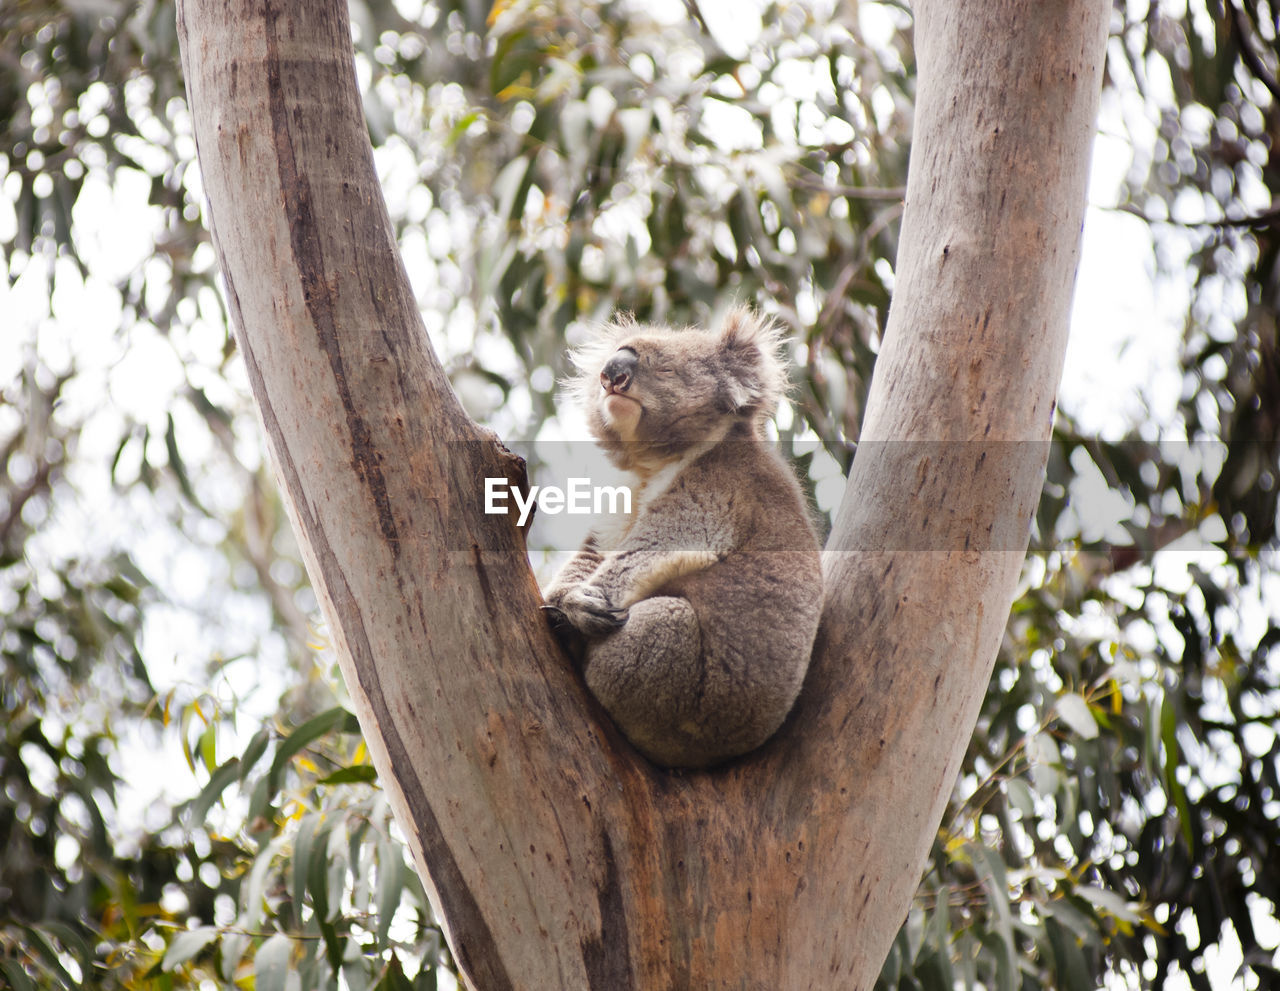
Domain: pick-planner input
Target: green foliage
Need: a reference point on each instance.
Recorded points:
(315, 881)
(1210, 182)
(1116, 814)
(1125, 793)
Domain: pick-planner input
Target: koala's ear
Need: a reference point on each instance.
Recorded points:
(752, 347)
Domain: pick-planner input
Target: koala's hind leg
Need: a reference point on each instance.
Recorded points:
(650, 677)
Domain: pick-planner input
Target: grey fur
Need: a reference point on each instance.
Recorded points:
(698, 612)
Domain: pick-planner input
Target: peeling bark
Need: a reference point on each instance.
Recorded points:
(557, 857)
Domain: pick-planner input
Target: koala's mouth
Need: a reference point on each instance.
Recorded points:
(620, 404)
(621, 414)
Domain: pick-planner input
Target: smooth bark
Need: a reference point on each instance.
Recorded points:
(557, 857)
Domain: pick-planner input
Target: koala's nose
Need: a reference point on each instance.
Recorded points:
(619, 370)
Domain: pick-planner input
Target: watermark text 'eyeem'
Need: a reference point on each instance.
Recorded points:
(579, 498)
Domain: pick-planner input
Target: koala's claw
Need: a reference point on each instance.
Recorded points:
(589, 611)
(556, 618)
(571, 641)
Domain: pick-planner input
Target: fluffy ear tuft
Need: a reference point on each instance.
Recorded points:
(754, 346)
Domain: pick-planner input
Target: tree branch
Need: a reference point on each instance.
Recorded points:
(558, 857)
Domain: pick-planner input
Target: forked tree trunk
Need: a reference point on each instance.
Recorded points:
(558, 858)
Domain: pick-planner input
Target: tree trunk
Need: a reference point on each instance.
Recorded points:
(557, 857)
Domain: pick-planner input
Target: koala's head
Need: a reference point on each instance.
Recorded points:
(652, 393)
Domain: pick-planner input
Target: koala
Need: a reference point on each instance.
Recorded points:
(694, 616)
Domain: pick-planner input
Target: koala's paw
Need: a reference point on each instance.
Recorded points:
(589, 610)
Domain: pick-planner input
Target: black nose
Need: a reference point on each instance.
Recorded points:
(619, 370)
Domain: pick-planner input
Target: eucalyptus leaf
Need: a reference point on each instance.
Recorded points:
(1074, 711)
(271, 963)
(186, 945)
